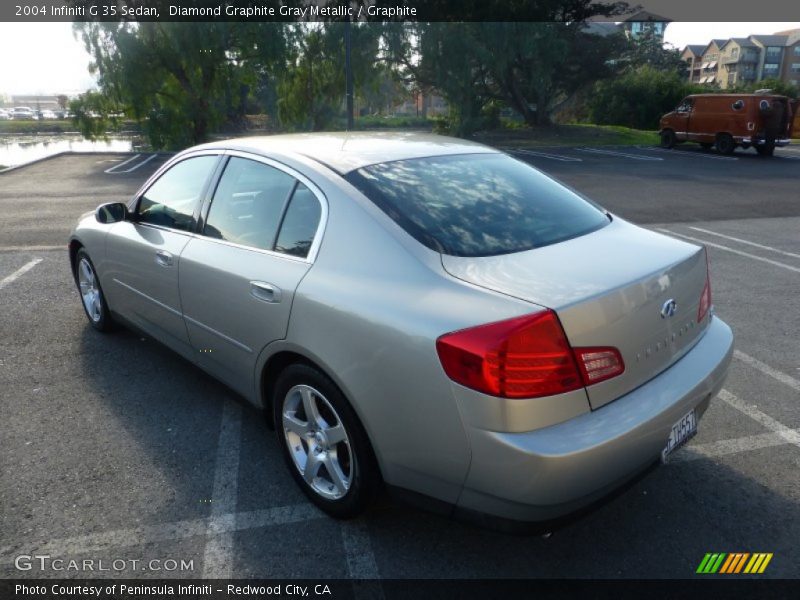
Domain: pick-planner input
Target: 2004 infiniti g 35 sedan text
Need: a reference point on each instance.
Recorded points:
(418, 311)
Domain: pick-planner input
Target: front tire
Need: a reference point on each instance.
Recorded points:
(323, 442)
(725, 143)
(92, 298)
(668, 138)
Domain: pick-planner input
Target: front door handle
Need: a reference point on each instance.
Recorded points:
(264, 291)
(163, 258)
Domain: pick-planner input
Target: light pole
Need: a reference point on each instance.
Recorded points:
(348, 74)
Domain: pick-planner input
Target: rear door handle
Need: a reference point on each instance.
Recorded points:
(264, 291)
(163, 258)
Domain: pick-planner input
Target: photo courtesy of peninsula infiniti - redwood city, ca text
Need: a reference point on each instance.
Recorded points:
(417, 312)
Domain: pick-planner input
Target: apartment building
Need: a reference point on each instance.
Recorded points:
(739, 61)
(692, 55)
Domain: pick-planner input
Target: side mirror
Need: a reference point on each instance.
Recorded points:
(113, 212)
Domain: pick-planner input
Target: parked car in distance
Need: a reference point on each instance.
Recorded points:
(47, 114)
(19, 113)
(418, 311)
(726, 121)
(4, 116)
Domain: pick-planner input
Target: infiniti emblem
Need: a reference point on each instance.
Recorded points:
(669, 308)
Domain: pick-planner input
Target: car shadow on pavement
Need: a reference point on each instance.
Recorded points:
(170, 411)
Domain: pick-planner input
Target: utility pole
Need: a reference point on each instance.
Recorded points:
(348, 74)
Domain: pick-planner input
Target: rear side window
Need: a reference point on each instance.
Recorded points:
(477, 204)
(300, 223)
(171, 200)
(248, 203)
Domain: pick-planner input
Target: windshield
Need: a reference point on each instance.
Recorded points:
(476, 204)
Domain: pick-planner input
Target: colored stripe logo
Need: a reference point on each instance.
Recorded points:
(734, 563)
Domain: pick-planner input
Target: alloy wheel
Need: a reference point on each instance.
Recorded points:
(317, 442)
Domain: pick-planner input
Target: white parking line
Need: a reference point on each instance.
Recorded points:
(218, 558)
(767, 370)
(790, 435)
(32, 248)
(691, 153)
(747, 443)
(620, 154)
(115, 169)
(19, 272)
(560, 157)
(360, 559)
(741, 241)
(141, 164)
(178, 530)
(732, 250)
(122, 164)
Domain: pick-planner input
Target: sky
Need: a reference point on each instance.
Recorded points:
(45, 58)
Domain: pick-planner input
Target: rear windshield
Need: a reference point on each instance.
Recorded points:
(476, 204)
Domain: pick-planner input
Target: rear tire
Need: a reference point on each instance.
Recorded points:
(92, 298)
(766, 149)
(323, 443)
(725, 143)
(668, 138)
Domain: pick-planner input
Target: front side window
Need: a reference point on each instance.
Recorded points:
(172, 199)
(248, 203)
(476, 204)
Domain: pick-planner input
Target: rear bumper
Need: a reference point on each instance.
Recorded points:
(547, 473)
(759, 141)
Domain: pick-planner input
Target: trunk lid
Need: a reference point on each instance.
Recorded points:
(608, 288)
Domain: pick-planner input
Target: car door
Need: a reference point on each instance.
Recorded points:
(144, 251)
(683, 130)
(238, 276)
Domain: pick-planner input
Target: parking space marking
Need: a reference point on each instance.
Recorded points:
(178, 530)
(620, 154)
(122, 164)
(767, 370)
(218, 558)
(141, 164)
(360, 558)
(741, 241)
(32, 248)
(787, 433)
(19, 272)
(746, 443)
(115, 169)
(732, 250)
(675, 152)
(559, 157)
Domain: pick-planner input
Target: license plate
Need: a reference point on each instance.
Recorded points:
(681, 433)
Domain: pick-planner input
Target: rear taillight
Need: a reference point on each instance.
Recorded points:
(705, 297)
(524, 357)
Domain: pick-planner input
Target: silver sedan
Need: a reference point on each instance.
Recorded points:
(418, 312)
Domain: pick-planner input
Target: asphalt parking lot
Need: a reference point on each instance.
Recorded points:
(114, 448)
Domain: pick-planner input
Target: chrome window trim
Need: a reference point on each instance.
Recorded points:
(321, 198)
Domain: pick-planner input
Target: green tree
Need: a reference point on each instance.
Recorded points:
(311, 90)
(778, 86)
(638, 98)
(182, 79)
(530, 67)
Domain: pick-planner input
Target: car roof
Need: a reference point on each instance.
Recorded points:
(344, 152)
